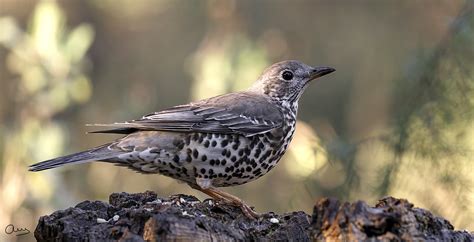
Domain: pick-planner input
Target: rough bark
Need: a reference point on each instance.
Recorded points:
(144, 216)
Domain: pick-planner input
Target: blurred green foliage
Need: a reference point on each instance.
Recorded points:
(48, 62)
(434, 121)
(396, 118)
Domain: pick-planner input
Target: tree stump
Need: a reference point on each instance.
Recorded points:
(144, 216)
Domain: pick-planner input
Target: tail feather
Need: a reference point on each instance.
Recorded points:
(96, 154)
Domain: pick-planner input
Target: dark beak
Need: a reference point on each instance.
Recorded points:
(320, 71)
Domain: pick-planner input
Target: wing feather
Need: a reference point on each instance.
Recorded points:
(242, 113)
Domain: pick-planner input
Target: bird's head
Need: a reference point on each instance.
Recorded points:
(286, 80)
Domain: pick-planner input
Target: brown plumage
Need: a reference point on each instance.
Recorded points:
(221, 141)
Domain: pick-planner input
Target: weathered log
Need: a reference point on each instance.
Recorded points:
(144, 216)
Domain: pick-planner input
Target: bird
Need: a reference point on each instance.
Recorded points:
(222, 141)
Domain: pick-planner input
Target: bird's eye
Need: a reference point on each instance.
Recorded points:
(287, 75)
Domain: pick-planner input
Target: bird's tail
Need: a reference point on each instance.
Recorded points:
(96, 154)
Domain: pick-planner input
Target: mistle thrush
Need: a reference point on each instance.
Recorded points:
(222, 141)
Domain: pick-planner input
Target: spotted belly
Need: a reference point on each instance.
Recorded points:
(222, 159)
(232, 159)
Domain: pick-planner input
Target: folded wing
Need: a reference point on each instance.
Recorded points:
(240, 113)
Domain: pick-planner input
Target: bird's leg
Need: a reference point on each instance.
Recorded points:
(208, 192)
(215, 196)
(229, 199)
(246, 209)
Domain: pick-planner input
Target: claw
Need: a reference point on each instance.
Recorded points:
(248, 212)
(246, 209)
(227, 198)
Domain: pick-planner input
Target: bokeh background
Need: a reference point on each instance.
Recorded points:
(396, 118)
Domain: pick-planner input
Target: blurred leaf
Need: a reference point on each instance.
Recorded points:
(49, 62)
(78, 42)
(432, 136)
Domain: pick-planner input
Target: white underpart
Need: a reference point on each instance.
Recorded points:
(204, 183)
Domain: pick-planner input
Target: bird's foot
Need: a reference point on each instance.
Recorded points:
(248, 211)
(229, 199)
(226, 198)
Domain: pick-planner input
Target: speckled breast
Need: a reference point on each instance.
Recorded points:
(224, 159)
(232, 159)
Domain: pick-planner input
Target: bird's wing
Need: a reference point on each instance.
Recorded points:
(241, 113)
